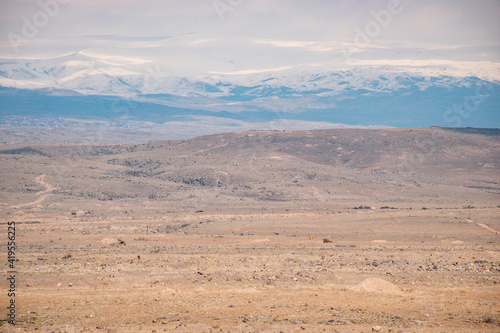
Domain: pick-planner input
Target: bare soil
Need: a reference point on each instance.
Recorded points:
(243, 236)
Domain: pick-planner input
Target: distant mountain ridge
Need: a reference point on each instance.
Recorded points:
(91, 75)
(78, 85)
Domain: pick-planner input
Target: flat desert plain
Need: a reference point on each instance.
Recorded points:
(393, 230)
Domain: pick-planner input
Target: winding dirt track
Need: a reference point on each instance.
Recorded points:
(43, 194)
(484, 226)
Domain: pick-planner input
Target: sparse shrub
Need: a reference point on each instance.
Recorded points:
(362, 207)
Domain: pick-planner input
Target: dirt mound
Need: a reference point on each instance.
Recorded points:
(110, 241)
(375, 285)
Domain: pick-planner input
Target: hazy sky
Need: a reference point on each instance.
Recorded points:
(240, 35)
(454, 22)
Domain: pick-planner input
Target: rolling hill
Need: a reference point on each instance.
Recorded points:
(317, 169)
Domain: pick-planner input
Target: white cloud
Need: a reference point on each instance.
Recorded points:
(188, 38)
(447, 21)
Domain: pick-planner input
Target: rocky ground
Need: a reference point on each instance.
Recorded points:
(244, 235)
(401, 270)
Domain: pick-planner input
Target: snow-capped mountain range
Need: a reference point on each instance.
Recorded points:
(357, 93)
(87, 74)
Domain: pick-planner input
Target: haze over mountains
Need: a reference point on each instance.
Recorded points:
(249, 66)
(82, 87)
(313, 85)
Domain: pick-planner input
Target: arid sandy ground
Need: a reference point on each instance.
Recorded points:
(228, 255)
(433, 270)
